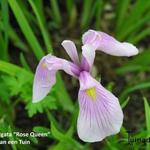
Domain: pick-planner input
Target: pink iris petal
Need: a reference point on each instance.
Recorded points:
(100, 115)
(84, 65)
(89, 36)
(70, 48)
(88, 56)
(106, 43)
(45, 76)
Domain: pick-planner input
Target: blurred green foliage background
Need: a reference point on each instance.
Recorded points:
(30, 29)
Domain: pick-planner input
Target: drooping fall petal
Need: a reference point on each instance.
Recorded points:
(70, 48)
(45, 76)
(100, 113)
(107, 44)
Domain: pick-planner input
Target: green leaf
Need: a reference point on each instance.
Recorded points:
(134, 27)
(45, 35)
(140, 36)
(56, 133)
(72, 12)
(73, 121)
(2, 47)
(5, 19)
(139, 63)
(48, 102)
(26, 29)
(67, 145)
(147, 115)
(59, 146)
(111, 146)
(121, 11)
(11, 69)
(98, 12)
(110, 86)
(11, 138)
(125, 103)
(147, 112)
(19, 84)
(4, 92)
(64, 138)
(55, 12)
(139, 14)
(86, 13)
(16, 40)
(24, 62)
(63, 96)
(130, 68)
(3, 125)
(139, 86)
(33, 140)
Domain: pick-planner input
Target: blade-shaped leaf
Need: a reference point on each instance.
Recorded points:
(26, 29)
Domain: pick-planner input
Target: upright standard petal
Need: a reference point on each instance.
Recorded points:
(88, 56)
(70, 48)
(100, 113)
(106, 43)
(45, 76)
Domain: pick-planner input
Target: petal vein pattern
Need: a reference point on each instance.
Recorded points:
(100, 118)
(45, 76)
(107, 44)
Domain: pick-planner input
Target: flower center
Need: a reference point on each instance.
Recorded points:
(91, 92)
(43, 65)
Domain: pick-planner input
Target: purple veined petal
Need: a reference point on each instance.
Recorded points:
(89, 36)
(45, 76)
(88, 56)
(70, 48)
(107, 44)
(100, 113)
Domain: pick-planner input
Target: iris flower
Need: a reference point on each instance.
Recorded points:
(100, 114)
